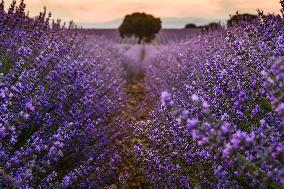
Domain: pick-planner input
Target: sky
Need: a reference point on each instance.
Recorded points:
(108, 13)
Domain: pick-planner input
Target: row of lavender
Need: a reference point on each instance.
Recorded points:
(164, 37)
(220, 120)
(58, 95)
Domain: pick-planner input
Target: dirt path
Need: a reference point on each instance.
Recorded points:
(131, 173)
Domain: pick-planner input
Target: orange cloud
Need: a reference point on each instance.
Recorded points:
(95, 11)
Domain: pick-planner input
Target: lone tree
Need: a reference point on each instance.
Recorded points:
(141, 25)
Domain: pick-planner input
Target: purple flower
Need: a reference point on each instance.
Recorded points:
(205, 105)
(185, 182)
(226, 128)
(15, 160)
(236, 173)
(256, 110)
(192, 123)
(280, 108)
(30, 106)
(185, 113)
(194, 98)
(2, 131)
(249, 138)
(263, 123)
(195, 134)
(227, 151)
(66, 181)
(58, 144)
(24, 51)
(24, 115)
(52, 150)
(166, 99)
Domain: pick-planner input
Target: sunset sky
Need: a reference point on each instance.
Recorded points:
(86, 12)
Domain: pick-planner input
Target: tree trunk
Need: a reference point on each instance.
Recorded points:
(140, 40)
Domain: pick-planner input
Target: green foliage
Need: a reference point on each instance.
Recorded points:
(239, 18)
(252, 121)
(6, 64)
(265, 105)
(140, 25)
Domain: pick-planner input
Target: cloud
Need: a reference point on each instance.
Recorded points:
(247, 6)
(99, 11)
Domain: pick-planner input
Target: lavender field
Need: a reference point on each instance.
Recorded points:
(85, 108)
(165, 36)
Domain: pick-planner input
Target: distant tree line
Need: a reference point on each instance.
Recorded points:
(238, 19)
(235, 20)
(210, 26)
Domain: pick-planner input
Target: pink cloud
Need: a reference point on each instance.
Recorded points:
(89, 11)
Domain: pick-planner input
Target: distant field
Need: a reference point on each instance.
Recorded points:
(164, 37)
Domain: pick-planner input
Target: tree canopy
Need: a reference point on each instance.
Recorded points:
(190, 26)
(140, 25)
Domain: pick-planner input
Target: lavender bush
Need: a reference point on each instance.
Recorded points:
(59, 93)
(66, 118)
(220, 120)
